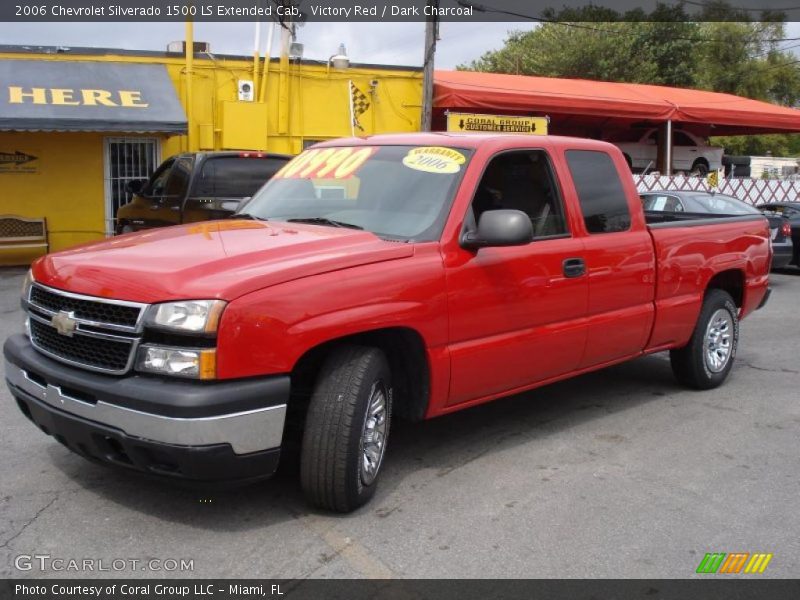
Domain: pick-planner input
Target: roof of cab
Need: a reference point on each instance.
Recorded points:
(469, 140)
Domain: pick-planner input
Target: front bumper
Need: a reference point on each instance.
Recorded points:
(228, 430)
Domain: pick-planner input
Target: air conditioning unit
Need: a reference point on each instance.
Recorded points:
(246, 90)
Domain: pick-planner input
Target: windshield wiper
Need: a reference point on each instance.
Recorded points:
(248, 216)
(324, 221)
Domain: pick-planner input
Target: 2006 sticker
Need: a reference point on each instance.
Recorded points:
(434, 159)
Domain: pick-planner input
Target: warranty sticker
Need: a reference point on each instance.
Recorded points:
(434, 159)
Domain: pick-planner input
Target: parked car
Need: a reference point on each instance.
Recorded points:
(790, 211)
(196, 186)
(689, 152)
(409, 275)
(699, 203)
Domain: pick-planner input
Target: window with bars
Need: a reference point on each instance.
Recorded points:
(127, 159)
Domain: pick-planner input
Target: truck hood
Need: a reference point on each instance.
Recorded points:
(215, 259)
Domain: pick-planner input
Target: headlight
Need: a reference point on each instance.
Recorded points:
(180, 362)
(193, 316)
(26, 285)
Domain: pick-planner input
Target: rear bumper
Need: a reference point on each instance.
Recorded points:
(781, 255)
(188, 430)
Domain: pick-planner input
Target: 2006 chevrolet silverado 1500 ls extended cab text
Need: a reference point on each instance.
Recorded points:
(403, 275)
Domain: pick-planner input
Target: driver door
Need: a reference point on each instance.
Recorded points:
(517, 314)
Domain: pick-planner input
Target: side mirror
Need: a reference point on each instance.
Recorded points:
(502, 227)
(135, 186)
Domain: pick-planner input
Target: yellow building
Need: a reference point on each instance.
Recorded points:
(77, 124)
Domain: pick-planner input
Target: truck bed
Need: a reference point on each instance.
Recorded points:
(689, 249)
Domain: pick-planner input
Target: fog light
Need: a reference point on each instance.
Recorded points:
(178, 362)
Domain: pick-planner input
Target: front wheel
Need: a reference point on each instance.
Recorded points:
(346, 430)
(705, 362)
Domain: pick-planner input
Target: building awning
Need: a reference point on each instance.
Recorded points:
(56, 95)
(602, 102)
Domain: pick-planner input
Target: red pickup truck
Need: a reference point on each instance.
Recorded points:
(400, 275)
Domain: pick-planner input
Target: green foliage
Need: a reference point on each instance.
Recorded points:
(723, 51)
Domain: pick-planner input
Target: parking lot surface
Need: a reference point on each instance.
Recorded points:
(620, 473)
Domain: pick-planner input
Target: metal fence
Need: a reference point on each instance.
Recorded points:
(752, 191)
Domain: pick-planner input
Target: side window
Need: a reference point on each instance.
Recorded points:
(681, 139)
(155, 187)
(234, 176)
(522, 180)
(179, 178)
(600, 193)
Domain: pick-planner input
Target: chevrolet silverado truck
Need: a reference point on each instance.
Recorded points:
(390, 276)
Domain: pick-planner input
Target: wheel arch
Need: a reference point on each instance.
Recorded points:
(404, 348)
(730, 281)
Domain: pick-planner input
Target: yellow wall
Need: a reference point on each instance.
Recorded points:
(68, 188)
(317, 107)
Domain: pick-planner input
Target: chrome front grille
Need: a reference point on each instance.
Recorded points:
(105, 333)
(95, 311)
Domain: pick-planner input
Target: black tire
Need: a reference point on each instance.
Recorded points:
(333, 471)
(124, 228)
(691, 364)
(700, 167)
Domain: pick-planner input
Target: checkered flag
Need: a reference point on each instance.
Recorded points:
(359, 103)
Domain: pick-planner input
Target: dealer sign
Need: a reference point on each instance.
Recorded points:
(468, 122)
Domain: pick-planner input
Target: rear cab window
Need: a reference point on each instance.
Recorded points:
(600, 193)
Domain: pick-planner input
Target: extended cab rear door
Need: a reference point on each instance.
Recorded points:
(620, 258)
(517, 314)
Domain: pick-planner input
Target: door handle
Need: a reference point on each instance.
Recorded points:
(574, 267)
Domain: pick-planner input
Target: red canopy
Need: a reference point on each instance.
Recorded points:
(580, 102)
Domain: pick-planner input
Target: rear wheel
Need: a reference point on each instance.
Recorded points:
(346, 429)
(700, 167)
(629, 161)
(705, 362)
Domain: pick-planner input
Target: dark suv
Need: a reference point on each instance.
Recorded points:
(196, 186)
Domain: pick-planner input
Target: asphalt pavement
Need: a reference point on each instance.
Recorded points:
(620, 473)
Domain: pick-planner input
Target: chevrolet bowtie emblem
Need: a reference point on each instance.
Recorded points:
(64, 323)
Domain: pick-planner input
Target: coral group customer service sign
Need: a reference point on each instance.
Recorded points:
(469, 122)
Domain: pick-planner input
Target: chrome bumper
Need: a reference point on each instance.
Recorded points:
(246, 432)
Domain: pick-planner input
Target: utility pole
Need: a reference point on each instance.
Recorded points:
(431, 33)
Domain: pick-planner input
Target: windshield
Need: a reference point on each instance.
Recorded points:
(396, 192)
